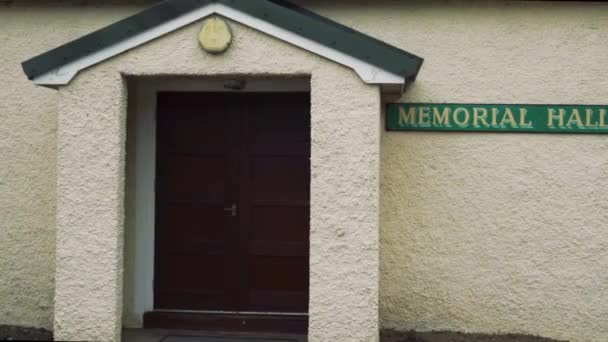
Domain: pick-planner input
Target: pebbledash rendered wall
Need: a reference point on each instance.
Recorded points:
(28, 142)
(480, 232)
(497, 232)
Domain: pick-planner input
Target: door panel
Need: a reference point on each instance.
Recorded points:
(280, 223)
(184, 221)
(180, 171)
(276, 180)
(195, 251)
(216, 150)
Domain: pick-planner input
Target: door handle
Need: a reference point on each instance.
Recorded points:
(232, 209)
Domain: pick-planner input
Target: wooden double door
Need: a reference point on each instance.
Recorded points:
(232, 203)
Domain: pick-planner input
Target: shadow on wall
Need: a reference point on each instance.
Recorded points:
(14, 333)
(450, 336)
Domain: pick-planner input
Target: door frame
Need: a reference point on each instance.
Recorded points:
(145, 96)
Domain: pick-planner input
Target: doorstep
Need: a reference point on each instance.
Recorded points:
(156, 335)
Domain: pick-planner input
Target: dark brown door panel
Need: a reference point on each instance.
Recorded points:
(232, 205)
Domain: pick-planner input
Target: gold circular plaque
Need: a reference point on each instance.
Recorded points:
(215, 36)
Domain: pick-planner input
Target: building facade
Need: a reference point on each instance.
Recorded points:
(492, 232)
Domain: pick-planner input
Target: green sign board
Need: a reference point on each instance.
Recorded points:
(496, 118)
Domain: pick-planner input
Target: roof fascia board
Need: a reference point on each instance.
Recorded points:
(112, 34)
(63, 74)
(265, 16)
(333, 35)
(367, 72)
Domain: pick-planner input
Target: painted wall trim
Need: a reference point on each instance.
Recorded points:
(372, 73)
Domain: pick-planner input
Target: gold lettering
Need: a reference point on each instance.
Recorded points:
(551, 116)
(424, 116)
(575, 118)
(562, 114)
(480, 117)
(494, 115)
(508, 118)
(602, 118)
(464, 122)
(588, 117)
(441, 118)
(522, 118)
(407, 118)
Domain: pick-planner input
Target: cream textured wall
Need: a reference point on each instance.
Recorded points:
(496, 232)
(28, 124)
(344, 182)
(480, 232)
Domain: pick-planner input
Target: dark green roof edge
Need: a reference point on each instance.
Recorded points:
(279, 12)
(334, 35)
(109, 35)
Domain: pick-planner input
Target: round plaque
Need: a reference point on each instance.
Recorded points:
(215, 36)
